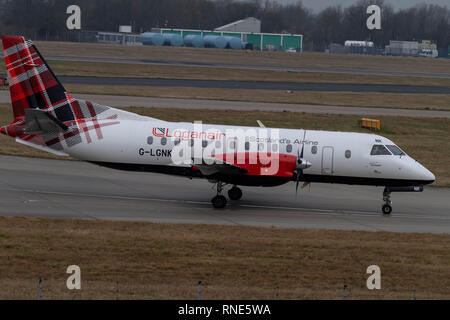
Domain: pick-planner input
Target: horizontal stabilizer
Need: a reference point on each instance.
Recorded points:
(42, 147)
(41, 122)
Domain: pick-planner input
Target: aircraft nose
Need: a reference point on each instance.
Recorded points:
(431, 177)
(425, 175)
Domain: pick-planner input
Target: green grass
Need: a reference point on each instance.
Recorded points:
(166, 261)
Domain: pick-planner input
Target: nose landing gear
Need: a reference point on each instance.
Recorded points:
(387, 208)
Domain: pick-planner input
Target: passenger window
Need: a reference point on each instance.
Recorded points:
(314, 149)
(218, 144)
(289, 148)
(396, 151)
(163, 141)
(177, 142)
(274, 147)
(379, 150)
(247, 146)
(204, 143)
(150, 140)
(348, 154)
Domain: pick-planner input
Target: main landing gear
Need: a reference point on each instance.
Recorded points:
(387, 208)
(235, 193)
(219, 201)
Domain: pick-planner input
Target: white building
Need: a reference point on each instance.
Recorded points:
(402, 48)
(250, 25)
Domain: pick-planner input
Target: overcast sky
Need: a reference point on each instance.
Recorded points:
(318, 5)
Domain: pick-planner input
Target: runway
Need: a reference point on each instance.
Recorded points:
(253, 85)
(71, 189)
(443, 75)
(152, 102)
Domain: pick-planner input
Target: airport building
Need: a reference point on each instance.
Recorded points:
(425, 48)
(246, 31)
(248, 25)
(241, 34)
(402, 48)
(254, 41)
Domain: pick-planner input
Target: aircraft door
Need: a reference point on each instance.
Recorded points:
(327, 160)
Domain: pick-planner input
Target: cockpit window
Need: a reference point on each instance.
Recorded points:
(379, 150)
(396, 151)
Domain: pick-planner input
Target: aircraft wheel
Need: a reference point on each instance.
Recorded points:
(219, 201)
(387, 209)
(235, 193)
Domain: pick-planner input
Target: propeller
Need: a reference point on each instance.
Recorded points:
(300, 165)
(298, 171)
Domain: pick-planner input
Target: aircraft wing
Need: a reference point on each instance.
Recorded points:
(210, 166)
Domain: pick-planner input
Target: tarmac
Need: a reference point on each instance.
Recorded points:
(31, 187)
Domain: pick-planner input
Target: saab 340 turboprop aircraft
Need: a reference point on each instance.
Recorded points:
(46, 117)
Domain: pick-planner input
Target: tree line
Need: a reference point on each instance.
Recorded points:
(334, 24)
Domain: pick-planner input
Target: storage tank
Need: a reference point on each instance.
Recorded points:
(233, 43)
(152, 39)
(193, 40)
(218, 42)
(353, 43)
(171, 39)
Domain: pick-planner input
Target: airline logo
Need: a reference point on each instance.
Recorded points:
(159, 132)
(185, 134)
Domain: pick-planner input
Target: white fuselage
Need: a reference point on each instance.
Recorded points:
(338, 157)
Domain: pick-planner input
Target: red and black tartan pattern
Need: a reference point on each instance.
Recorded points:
(33, 84)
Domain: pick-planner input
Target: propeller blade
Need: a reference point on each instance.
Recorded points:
(298, 181)
(299, 171)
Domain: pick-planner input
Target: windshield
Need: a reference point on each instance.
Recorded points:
(379, 150)
(396, 151)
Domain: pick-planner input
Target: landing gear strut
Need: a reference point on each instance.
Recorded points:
(386, 208)
(219, 201)
(235, 193)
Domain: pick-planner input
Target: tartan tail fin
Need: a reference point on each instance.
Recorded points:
(32, 84)
(45, 115)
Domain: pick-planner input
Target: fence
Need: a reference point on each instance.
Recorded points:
(345, 294)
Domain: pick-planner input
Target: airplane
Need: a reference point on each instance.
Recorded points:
(46, 117)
